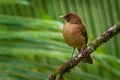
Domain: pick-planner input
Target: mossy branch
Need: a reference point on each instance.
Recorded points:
(67, 66)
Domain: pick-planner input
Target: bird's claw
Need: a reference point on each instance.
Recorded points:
(71, 60)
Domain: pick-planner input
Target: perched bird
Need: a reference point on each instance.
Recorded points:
(75, 34)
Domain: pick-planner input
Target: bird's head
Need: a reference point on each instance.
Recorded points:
(72, 18)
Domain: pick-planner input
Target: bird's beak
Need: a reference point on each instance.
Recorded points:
(61, 16)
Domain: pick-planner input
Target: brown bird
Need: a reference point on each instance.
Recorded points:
(75, 34)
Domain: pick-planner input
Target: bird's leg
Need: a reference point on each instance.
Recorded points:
(72, 56)
(80, 52)
(73, 53)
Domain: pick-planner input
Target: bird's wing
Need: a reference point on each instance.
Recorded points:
(84, 32)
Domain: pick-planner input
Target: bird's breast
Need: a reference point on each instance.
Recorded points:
(73, 36)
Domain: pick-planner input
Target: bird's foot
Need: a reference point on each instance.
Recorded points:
(71, 61)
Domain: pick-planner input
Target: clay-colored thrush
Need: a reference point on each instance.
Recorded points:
(75, 34)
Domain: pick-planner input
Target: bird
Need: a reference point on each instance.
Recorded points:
(75, 34)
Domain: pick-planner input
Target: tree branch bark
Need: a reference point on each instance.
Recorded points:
(67, 66)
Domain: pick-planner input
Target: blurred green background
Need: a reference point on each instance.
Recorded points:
(32, 45)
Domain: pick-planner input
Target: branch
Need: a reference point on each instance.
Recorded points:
(67, 66)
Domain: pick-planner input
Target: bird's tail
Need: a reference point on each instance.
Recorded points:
(87, 59)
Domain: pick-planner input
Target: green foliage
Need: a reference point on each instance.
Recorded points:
(23, 2)
(32, 46)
